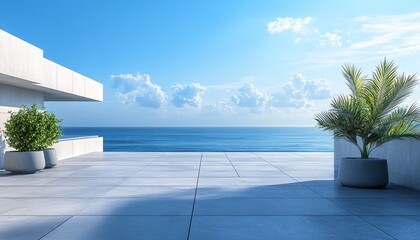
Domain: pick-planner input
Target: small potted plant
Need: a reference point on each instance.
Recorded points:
(370, 116)
(52, 134)
(31, 131)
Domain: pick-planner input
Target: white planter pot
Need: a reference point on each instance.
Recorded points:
(363, 173)
(24, 162)
(50, 157)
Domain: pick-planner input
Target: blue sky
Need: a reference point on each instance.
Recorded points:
(214, 63)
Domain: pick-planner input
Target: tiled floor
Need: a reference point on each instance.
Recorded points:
(201, 196)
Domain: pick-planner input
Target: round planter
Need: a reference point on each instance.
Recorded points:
(24, 162)
(50, 157)
(363, 173)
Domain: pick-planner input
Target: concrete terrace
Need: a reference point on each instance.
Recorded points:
(201, 196)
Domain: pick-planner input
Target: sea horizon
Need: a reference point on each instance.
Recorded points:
(208, 139)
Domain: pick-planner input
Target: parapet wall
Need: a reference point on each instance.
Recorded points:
(403, 159)
(72, 147)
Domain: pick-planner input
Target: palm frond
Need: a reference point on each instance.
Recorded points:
(379, 86)
(354, 77)
(401, 88)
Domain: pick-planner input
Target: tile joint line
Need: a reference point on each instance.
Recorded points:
(231, 164)
(195, 196)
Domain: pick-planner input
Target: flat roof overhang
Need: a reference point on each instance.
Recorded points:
(23, 65)
(49, 94)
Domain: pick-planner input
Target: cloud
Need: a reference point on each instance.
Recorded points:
(330, 39)
(138, 89)
(288, 23)
(373, 37)
(188, 94)
(250, 97)
(298, 92)
(287, 97)
(300, 26)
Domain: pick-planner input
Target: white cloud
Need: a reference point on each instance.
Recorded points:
(374, 37)
(250, 97)
(300, 26)
(330, 39)
(188, 94)
(285, 98)
(138, 89)
(298, 92)
(288, 23)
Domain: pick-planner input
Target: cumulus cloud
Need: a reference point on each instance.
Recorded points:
(288, 23)
(138, 89)
(250, 97)
(298, 91)
(287, 97)
(330, 39)
(188, 94)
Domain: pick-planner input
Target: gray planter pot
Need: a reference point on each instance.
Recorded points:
(50, 157)
(24, 162)
(363, 173)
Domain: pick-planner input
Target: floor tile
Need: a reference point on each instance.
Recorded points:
(28, 227)
(139, 206)
(256, 191)
(283, 227)
(160, 182)
(399, 227)
(379, 206)
(43, 206)
(266, 206)
(152, 192)
(122, 227)
(166, 174)
(338, 191)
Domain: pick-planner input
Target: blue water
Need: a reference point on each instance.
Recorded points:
(177, 139)
(171, 139)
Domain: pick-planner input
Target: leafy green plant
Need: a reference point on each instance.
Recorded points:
(371, 114)
(32, 129)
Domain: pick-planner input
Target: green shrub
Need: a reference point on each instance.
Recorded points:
(31, 129)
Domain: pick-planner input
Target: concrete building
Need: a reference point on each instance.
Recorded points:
(26, 77)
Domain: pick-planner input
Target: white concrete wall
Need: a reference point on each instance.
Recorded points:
(18, 58)
(403, 159)
(11, 98)
(68, 148)
(23, 65)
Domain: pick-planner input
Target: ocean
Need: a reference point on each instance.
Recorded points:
(207, 139)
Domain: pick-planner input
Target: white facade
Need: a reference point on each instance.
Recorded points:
(26, 77)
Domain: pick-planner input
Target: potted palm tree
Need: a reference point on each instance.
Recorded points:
(31, 131)
(370, 116)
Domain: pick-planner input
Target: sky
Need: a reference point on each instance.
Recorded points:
(214, 62)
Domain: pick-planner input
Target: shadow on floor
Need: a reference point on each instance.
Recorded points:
(308, 210)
